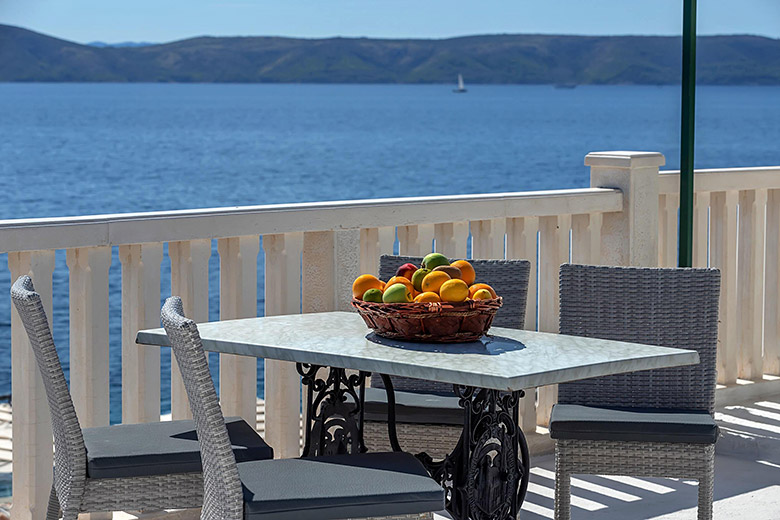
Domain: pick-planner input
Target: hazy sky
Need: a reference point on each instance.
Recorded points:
(166, 20)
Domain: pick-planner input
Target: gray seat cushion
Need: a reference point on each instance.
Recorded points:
(414, 407)
(569, 421)
(134, 450)
(339, 486)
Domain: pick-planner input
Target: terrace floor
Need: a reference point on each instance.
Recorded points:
(747, 478)
(747, 481)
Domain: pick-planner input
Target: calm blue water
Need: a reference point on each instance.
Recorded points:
(84, 149)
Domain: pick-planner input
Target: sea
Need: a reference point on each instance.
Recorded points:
(81, 149)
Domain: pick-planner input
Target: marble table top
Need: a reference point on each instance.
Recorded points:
(506, 359)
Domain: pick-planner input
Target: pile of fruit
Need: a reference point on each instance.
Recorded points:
(437, 280)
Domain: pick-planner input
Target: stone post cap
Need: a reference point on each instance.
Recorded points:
(624, 159)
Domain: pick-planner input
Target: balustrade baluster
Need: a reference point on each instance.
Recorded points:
(190, 281)
(750, 282)
(521, 244)
(488, 238)
(140, 310)
(238, 299)
(701, 228)
(416, 240)
(375, 242)
(554, 251)
(282, 383)
(32, 435)
(89, 340)
(452, 239)
(772, 289)
(724, 256)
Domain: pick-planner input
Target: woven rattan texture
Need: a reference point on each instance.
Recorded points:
(666, 307)
(508, 277)
(437, 440)
(222, 495)
(73, 492)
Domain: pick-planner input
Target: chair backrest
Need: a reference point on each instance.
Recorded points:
(508, 277)
(70, 456)
(667, 307)
(222, 494)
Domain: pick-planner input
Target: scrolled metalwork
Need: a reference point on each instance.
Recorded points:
(334, 411)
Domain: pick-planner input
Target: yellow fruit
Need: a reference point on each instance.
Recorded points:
(363, 283)
(427, 297)
(477, 286)
(467, 271)
(434, 280)
(454, 291)
(400, 279)
(482, 294)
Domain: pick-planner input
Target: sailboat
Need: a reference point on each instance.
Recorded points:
(461, 89)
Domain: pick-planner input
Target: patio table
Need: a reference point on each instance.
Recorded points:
(486, 475)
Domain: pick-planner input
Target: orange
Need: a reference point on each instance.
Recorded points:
(454, 291)
(400, 279)
(434, 280)
(427, 297)
(363, 283)
(468, 274)
(483, 294)
(477, 286)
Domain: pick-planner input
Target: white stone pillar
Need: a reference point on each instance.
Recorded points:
(89, 340)
(190, 281)
(140, 310)
(629, 237)
(238, 299)
(282, 382)
(32, 436)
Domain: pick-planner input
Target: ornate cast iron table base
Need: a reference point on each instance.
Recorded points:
(486, 475)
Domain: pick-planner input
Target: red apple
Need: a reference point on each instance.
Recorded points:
(406, 270)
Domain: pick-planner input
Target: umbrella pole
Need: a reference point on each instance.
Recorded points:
(685, 245)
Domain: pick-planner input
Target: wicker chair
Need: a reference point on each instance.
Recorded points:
(136, 467)
(428, 417)
(326, 487)
(652, 423)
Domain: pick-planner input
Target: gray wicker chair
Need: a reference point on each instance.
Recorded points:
(652, 423)
(136, 467)
(338, 486)
(428, 417)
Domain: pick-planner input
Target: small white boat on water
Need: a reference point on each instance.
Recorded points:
(461, 89)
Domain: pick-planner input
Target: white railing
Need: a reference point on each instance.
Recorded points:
(737, 229)
(312, 253)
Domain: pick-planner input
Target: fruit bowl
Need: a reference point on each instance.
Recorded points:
(430, 322)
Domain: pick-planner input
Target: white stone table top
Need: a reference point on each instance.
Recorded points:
(506, 359)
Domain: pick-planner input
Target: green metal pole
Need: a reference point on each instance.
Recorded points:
(685, 249)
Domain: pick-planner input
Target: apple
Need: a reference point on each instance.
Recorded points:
(373, 295)
(434, 260)
(397, 293)
(406, 270)
(418, 276)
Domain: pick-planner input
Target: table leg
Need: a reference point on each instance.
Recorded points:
(334, 410)
(486, 475)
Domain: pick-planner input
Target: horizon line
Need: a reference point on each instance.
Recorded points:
(406, 38)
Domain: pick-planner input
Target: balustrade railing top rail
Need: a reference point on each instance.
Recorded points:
(166, 226)
(722, 179)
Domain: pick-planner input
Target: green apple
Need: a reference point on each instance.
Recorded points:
(397, 293)
(434, 260)
(418, 276)
(373, 295)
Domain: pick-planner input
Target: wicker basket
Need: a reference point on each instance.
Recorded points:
(443, 322)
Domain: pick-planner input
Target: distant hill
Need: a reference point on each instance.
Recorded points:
(525, 59)
(120, 44)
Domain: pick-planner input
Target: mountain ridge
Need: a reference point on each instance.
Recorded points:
(491, 59)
